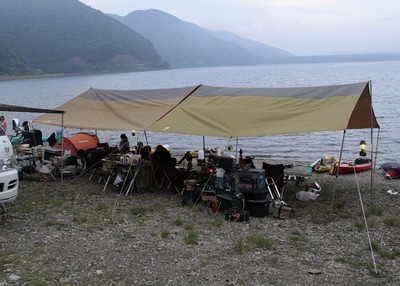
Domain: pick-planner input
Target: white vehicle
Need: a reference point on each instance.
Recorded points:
(9, 181)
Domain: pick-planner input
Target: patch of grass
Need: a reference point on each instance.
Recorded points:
(296, 236)
(102, 207)
(191, 237)
(124, 236)
(139, 210)
(6, 257)
(359, 223)
(58, 202)
(354, 262)
(34, 281)
(56, 224)
(218, 222)
(165, 233)
(319, 218)
(238, 245)
(189, 226)
(301, 205)
(382, 252)
(262, 241)
(389, 254)
(374, 210)
(177, 222)
(371, 222)
(340, 204)
(375, 245)
(392, 221)
(79, 218)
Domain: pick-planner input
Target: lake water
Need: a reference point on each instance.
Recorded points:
(384, 76)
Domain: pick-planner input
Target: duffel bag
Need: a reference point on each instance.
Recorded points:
(236, 215)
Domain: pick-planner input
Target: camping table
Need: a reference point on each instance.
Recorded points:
(136, 174)
(298, 180)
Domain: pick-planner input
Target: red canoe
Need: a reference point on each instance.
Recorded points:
(352, 167)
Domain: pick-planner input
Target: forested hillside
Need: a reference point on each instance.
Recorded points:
(66, 36)
(10, 62)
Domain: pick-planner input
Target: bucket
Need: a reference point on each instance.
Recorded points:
(309, 169)
(201, 155)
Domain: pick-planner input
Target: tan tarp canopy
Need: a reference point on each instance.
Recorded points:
(245, 112)
(222, 111)
(117, 109)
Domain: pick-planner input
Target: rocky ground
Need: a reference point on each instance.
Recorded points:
(76, 234)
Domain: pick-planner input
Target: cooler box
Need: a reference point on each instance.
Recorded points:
(253, 178)
(257, 208)
(50, 152)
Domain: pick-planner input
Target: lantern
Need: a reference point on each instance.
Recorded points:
(363, 146)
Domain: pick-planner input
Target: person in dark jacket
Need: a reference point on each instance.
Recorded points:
(123, 144)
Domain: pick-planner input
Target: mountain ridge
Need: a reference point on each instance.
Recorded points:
(67, 36)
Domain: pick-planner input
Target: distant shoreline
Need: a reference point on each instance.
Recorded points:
(293, 61)
(33, 76)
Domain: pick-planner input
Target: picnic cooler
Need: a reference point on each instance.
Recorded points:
(257, 208)
(255, 194)
(251, 179)
(50, 152)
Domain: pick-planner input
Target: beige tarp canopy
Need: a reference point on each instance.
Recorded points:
(244, 112)
(117, 109)
(222, 111)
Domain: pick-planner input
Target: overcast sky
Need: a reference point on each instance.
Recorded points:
(301, 27)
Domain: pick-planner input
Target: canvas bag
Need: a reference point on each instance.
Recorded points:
(282, 211)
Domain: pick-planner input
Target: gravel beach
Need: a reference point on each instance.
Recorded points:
(79, 234)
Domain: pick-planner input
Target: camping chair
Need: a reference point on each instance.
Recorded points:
(93, 163)
(276, 172)
(211, 202)
(157, 172)
(174, 179)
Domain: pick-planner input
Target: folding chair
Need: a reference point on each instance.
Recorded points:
(174, 179)
(211, 202)
(276, 172)
(157, 172)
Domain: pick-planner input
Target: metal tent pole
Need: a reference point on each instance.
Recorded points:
(62, 152)
(337, 172)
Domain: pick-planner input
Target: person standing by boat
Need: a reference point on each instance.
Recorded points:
(3, 124)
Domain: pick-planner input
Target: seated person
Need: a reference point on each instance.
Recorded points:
(123, 144)
(146, 152)
(162, 155)
(139, 148)
(31, 136)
